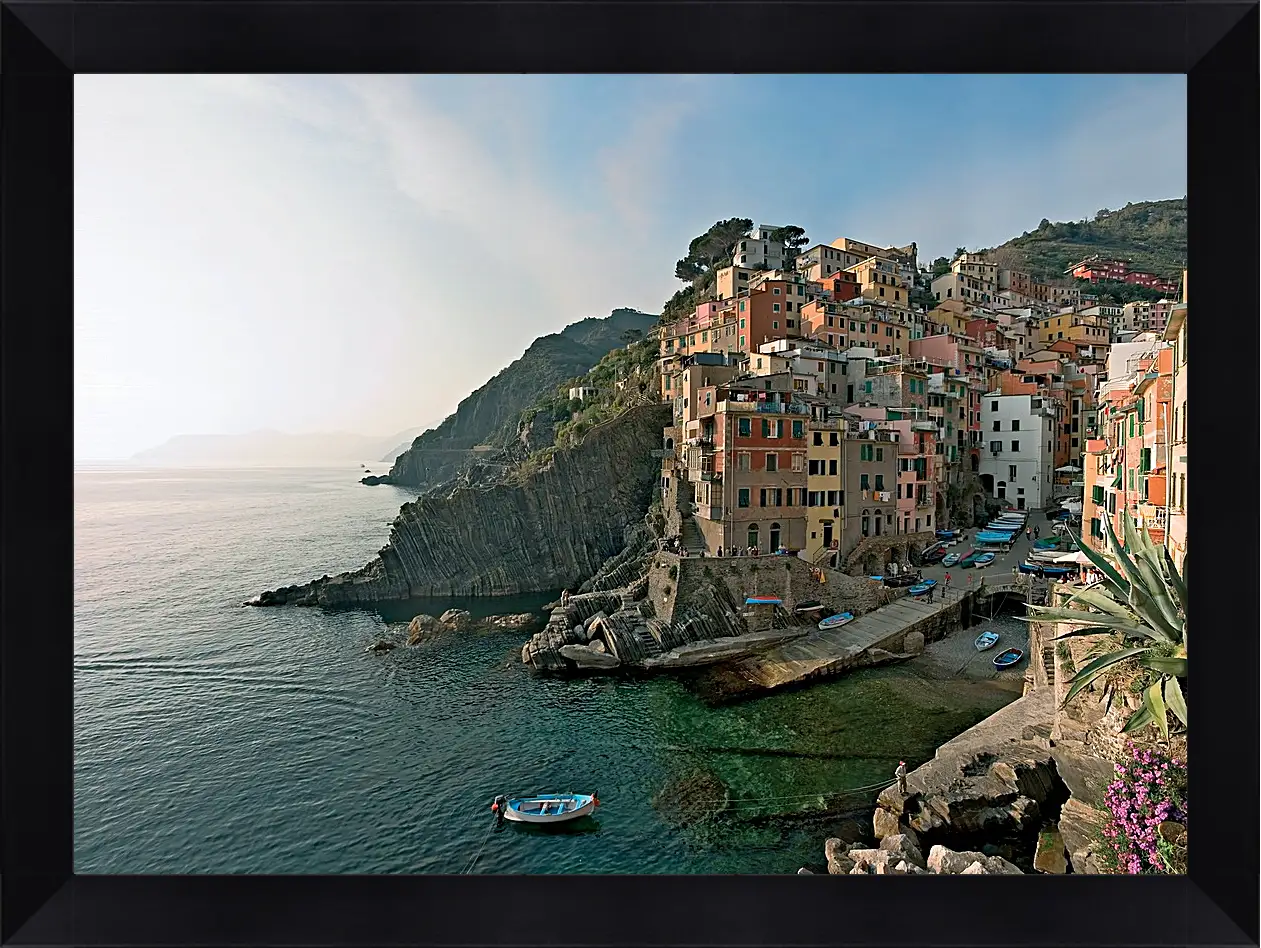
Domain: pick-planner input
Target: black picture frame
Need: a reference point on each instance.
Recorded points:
(42, 44)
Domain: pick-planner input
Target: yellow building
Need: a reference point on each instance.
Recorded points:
(824, 486)
(879, 279)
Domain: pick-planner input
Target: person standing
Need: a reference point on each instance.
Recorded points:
(900, 773)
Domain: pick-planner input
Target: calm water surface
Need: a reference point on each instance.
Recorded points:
(214, 738)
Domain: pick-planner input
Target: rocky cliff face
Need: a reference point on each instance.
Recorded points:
(552, 530)
(490, 415)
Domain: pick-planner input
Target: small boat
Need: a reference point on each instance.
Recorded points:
(878, 579)
(986, 640)
(549, 807)
(970, 560)
(904, 579)
(808, 605)
(1008, 658)
(836, 621)
(920, 588)
(994, 536)
(1058, 570)
(763, 601)
(950, 560)
(985, 559)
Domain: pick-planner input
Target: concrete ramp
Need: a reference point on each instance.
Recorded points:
(827, 653)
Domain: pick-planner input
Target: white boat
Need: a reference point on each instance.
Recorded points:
(986, 640)
(836, 621)
(547, 807)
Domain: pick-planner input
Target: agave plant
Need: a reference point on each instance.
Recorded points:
(1145, 601)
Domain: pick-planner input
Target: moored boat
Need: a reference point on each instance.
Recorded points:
(986, 640)
(836, 621)
(808, 605)
(1008, 658)
(546, 807)
(920, 588)
(951, 559)
(985, 559)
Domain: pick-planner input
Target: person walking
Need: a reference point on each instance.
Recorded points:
(1037, 532)
(900, 773)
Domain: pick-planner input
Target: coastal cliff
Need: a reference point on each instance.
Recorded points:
(491, 415)
(549, 528)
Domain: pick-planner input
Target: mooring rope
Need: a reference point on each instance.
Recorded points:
(477, 855)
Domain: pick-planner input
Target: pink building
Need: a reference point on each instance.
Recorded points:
(917, 452)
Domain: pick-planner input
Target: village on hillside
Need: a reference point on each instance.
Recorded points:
(842, 402)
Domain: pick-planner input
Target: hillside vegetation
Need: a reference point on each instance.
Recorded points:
(1152, 235)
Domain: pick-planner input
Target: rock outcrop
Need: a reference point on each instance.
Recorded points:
(552, 530)
(989, 783)
(492, 414)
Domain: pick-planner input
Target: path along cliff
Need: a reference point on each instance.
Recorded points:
(550, 529)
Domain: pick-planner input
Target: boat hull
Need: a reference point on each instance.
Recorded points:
(1008, 658)
(521, 810)
(985, 641)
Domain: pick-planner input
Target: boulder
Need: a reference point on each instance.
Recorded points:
(905, 847)
(588, 659)
(597, 645)
(868, 859)
(458, 619)
(913, 643)
(803, 871)
(885, 823)
(1080, 826)
(1172, 832)
(419, 626)
(976, 869)
(945, 861)
(839, 861)
(380, 645)
(1049, 855)
(1086, 776)
(910, 869)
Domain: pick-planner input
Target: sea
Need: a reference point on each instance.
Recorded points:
(215, 737)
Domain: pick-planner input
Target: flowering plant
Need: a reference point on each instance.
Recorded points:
(1150, 789)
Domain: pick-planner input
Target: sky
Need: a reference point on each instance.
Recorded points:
(358, 253)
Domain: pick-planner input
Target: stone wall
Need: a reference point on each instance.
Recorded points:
(874, 552)
(785, 577)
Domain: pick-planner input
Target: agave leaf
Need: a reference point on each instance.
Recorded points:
(1102, 602)
(1099, 624)
(1176, 667)
(1173, 698)
(1091, 671)
(1176, 582)
(1159, 604)
(1155, 703)
(1101, 564)
(1138, 720)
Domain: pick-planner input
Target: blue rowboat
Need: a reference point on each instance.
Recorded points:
(763, 601)
(1008, 658)
(986, 640)
(993, 536)
(950, 559)
(920, 588)
(836, 621)
(985, 559)
(549, 807)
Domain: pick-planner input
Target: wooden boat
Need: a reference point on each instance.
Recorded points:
(985, 559)
(986, 640)
(904, 579)
(549, 807)
(970, 560)
(920, 588)
(808, 605)
(951, 559)
(1008, 658)
(836, 621)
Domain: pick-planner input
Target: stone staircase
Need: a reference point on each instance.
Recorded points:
(693, 539)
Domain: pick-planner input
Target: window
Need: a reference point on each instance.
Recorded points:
(879, 482)
(766, 428)
(866, 452)
(745, 427)
(798, 462)
(774, 307)
(762, 498)
(799, 428)
(742, 499)
(996, 446)
(741, 318)
(818, 438)
(744, 461)
(864, 482)
(998, 425)
(993, 406)
(742, 342)
(772, 462)
(832, 467)
(1015, 446)
(834, 438)
(831, 496)
(1015, 424)
(879, 454)
(776, 291)
(775, 324)
(1011, 472)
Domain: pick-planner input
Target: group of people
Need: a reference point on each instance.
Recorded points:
(1033, 534)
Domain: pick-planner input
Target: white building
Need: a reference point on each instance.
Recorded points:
(582, 393)
(758, 252)
(816, 369)
(1018, 456)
